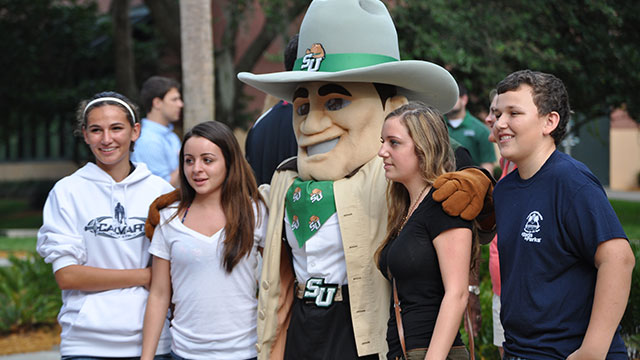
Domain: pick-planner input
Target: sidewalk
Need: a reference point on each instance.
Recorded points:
(623, 195)
(40, 355)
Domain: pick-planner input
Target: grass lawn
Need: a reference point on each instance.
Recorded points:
(629, 214)
(17, 244)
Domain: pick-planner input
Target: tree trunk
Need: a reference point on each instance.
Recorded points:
(197, 61)
(124, 59)
(166, 17)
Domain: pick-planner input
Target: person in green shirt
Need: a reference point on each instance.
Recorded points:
(470, 132)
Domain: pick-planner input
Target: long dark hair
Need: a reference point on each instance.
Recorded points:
(239, 191)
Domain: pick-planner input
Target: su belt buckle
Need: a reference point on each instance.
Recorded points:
(323, 294)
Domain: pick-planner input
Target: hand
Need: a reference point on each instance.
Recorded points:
(153, 218)
(463, 192)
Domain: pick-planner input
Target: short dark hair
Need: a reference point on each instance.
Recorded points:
(462, 90)
(156, 87)
(549, 94)
(291, 53)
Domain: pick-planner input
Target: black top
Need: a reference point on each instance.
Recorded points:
(463, 157)
(412, 260)
(270, 141)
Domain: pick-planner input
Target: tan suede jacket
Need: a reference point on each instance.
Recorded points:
(362, 213)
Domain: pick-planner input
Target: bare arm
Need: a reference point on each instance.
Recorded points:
(157, 305)
(453, 248)
(615, 261)
(88, 278)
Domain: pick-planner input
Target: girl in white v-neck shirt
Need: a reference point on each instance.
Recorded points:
(215, 311)
(211, 278)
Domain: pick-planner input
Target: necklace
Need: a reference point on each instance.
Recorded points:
(412, 208)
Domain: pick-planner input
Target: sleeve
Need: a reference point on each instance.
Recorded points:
(152, 151)
(159, 245)
(589, 220)
(59, 242)
(439, 221)
(260, 232)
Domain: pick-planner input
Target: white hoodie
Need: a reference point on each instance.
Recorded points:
(89, 219)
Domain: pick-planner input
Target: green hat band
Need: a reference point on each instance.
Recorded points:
(340, 62)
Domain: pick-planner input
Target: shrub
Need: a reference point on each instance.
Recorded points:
(29, 294)
(34, 191)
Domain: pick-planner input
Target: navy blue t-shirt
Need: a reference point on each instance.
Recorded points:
(549, 227)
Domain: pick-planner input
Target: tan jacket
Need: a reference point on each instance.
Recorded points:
(362, 215)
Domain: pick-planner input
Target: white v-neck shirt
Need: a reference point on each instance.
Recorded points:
(215, 311)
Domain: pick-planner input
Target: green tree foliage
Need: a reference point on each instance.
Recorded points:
(239, 16)
(48, 60)
(592, 45)
(54, 54)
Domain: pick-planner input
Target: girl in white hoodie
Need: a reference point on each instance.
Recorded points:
(206, 253)
(93, 235)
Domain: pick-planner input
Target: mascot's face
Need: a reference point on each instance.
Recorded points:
(337, 126)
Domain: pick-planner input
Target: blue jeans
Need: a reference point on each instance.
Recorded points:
(175, 356)
(74, 357)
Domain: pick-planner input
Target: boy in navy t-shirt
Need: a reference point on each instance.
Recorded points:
(565, 261)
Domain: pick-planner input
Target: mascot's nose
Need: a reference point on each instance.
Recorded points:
(316, 122)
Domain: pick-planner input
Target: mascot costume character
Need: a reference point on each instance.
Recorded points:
(320, 294)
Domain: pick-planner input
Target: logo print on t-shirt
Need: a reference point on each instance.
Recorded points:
(117, 226)
(532, 226)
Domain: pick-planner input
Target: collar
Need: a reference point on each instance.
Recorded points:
(155, 127)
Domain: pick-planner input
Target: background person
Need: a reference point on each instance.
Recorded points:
(470, 132)
(93, 235)
(271, 139)
(506, 167)
(426, 253)
(158, 146)
(206, 253)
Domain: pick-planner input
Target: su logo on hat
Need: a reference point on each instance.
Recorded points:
(313, 58)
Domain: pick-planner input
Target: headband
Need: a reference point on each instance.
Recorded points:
(109, 98)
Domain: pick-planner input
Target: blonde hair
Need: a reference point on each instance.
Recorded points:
(428, 130)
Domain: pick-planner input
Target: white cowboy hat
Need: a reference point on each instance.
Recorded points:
(356, 41)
